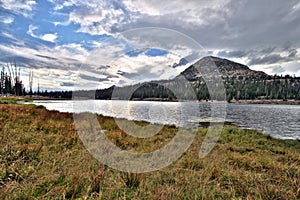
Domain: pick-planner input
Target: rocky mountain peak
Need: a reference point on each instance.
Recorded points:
(226, 68)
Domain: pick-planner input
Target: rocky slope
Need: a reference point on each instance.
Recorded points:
(226, 68)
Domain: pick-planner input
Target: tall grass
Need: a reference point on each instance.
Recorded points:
(42, 157)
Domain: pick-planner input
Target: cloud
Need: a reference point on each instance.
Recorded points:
(95, 17)
(49, 37)
(272, 60)
(44, 57)
(242, 29)
(67, 84)
(222, 24)
(270, 55)
(46, 79)
(141, 68)
(276, 69)
(191, 13)
(230, 54)
(65, 23)
(290, 68)
(292, 53)
(7, 19)
(31, 29)
(20, 7)
(269, 59)
(92, 78)
(47, 57)
(226, 24)
(100, 65)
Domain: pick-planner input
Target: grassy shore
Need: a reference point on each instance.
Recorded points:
(41, 156)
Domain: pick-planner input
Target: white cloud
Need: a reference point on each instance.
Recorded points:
(32, 28)
(60, 5)
(51, 66)
(143, 68)
(49, 37)
(48, 79)
(66, 23)
(108, 17)
(105, 53)
(71, 58)
(95, 17)
(193, 9)
(59, 57)
(296, 7)
(215, 23)
(21, 7)
(7, 19)
(290, 68)
(112, 52)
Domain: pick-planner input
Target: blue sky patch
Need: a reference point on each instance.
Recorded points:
(153, 52)
(156, 52)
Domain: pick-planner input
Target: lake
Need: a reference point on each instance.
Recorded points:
(279, 121)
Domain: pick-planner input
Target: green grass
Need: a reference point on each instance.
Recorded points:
(8, 101)
(14, 100)
(42, 157)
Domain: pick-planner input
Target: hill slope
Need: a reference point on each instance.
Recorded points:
(226, 68)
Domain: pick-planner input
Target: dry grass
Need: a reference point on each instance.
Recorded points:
(41, 157)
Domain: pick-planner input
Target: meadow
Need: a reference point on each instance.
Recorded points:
(42, 157)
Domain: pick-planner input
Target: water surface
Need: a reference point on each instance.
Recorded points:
(280, 121)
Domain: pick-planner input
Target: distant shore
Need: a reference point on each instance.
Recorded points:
(248, 101)
(269, 101)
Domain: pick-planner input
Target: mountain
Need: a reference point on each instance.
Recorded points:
(226, 68)
(240, 82)
(182, 62)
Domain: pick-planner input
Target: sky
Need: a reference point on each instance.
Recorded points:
(98, 43)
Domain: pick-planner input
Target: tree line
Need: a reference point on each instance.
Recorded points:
(236, 88)
(10, 81)
(277, 87)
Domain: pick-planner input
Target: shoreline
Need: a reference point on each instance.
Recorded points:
(248, 101)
